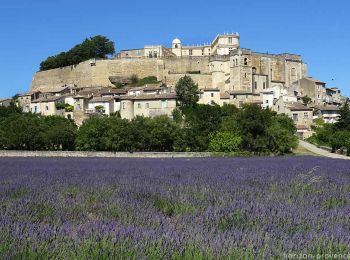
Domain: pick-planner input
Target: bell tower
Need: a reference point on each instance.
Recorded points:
(177, 47)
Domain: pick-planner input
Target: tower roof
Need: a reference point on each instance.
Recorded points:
(176, 41)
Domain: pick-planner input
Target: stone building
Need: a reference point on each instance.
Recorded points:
(313, 88)
(221, 64)
(148, 105)
(225, 72)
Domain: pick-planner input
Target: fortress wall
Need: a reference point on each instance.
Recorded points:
(185, 64)
(86, 75)
(168, 70)
(203, 81)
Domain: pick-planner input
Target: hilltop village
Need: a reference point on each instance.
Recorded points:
(142, 82)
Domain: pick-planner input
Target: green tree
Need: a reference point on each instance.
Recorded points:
(199, 121)
(134, 79)
(224, 142)
(22, 132)
(187, 91)
(11, 109)
(60, 133)
(94, 47)
(344, 119)
(119, 135)
(323, 134)
(340, 140)
(140, 133)
(163, 134)
(254, 123)
(100, 108)
(282, 135)
(92, 134)
(306, 100)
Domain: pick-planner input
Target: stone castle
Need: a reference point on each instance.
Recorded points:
(223, 64)
(224, 72)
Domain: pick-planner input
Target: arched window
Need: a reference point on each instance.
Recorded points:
(176, 46)
(254, 70)
(245, 61)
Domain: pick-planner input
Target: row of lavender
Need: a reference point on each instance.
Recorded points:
(173, 208)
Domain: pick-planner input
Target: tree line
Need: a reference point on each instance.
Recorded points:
(250, 130)
(94, 47)
(27, 131)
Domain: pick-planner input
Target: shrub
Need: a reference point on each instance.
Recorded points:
(224, 142)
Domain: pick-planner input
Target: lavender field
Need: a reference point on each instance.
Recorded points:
(173, 208)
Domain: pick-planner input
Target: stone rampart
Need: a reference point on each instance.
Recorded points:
(97, 75)
(86, 75)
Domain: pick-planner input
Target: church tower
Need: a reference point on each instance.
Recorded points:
(177, 47)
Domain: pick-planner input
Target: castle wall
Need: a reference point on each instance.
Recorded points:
(186, 64)
(168, 70)
(203, 81)
(86, 75)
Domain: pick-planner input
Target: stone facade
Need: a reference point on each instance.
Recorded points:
(221, 64)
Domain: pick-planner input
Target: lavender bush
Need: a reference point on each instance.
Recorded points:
(173, 208)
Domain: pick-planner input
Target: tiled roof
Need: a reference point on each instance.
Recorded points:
(150, 96)
(52, 89)
(107, 91)
(101, 99)
(327, 108)
(152, 87)
(298, 106)
(225, 95)
(210, 89)
(47, 99)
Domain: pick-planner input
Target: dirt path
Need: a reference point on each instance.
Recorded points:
(319, 151)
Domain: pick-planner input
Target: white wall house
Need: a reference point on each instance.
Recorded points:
(106, 102)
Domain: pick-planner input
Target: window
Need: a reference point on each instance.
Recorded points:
(138, 105)
(203, 52)
(236, 62)
(294, 74)
(254, 70)
(295, 117)
(230, 40)
(123, 105)
(150, 55)
(155, 54)
(163, 104)
(190, 52)
(147, 105)
(306, 115)
(264, 85)
(245, 75)
(47, 108)
(267, 101)
(245, 61)
(256, 85)
(212, 94)
(176, 46)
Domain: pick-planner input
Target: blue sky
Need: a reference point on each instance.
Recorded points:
(33, 30)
